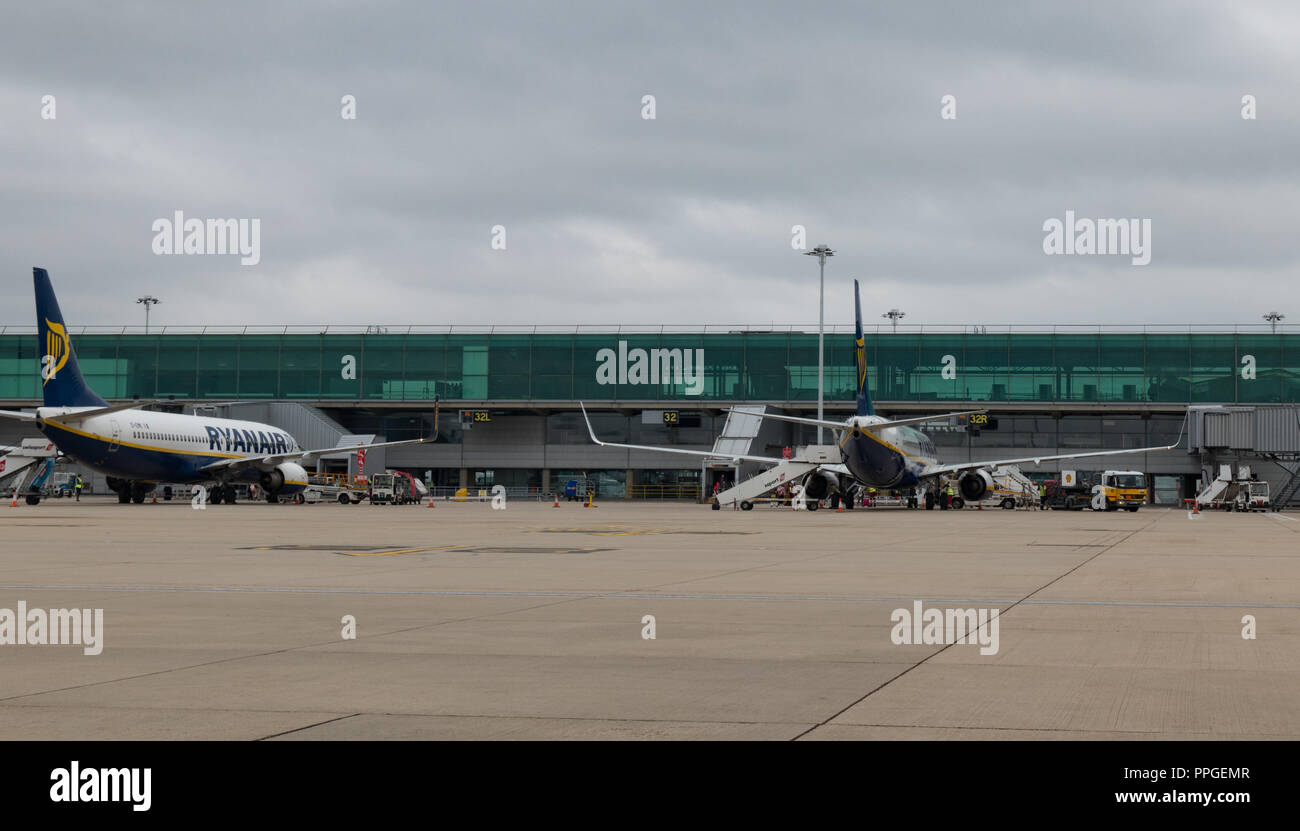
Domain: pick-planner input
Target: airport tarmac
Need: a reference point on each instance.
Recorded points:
(527, 623)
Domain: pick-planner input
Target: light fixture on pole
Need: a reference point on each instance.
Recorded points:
(148, 300)
(821, 252)
(894, 316)
(1273, 318)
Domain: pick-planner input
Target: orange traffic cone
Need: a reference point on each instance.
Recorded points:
(155, 498)
(14, 504)
(1196, 505)
(557, 501)
(841, 508)
(430, 500)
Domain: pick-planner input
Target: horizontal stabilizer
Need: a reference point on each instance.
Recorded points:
(82, 415)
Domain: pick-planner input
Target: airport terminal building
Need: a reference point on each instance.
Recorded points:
(508, 397)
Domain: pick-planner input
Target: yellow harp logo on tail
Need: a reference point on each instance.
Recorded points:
(56, 350)
(862, 362)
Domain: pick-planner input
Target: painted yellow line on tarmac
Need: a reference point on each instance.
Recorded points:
(395, 551)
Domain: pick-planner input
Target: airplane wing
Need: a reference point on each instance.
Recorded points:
(17, 416)
(942, 469)
(705, 453)
(919, 420)
(840, 425)
(270, 461)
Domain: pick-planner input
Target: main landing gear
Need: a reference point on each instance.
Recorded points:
(221, 493)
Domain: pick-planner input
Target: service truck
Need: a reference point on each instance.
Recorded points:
(1117, 489)
(383, 489)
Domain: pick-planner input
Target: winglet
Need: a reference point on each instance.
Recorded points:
(590, 430)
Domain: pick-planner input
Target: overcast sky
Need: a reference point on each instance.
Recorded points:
(768, 115)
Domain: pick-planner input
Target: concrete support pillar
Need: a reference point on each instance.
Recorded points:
(627, 486)
(546, 480)
(464, 477)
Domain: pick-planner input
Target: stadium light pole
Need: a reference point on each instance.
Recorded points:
(1273, 318)
(821, 252)
(894, 316)
(148, 300)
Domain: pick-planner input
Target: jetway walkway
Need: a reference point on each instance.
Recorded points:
(1224, 435)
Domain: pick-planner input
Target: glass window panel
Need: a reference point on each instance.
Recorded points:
(259, 366)
(1121, 372)
(1032, 375)
(940, 353)
(1076, 360)
(384, 357)
(218, 362)
(1167, 368)
(425, 374)
(1213, 375)
(177, 365)
(1263, 353)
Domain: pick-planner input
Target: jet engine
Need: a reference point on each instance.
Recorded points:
(287, 478)
(819, 483)
(974, 485)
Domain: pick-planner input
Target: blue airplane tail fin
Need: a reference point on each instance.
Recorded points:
(860, 350)
(61, 381)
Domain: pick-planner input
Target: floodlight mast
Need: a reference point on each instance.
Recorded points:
(821, 252)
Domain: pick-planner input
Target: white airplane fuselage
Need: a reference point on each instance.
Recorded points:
(163, 447)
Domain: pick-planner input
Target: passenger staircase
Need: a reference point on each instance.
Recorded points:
(806, 460)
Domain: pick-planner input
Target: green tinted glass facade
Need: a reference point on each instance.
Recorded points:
(775, 367)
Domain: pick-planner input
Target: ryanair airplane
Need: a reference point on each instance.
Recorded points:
(879, 453)
(136, 448)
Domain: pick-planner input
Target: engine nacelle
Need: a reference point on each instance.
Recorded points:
(974, 485)
(288, 477)
(818, 484)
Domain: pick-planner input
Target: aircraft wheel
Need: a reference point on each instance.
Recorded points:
(929, 500)
(33, 499)
(124, 497)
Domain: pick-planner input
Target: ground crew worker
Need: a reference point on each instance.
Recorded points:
(77, 486)
(1042, 497)
(948, 495)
